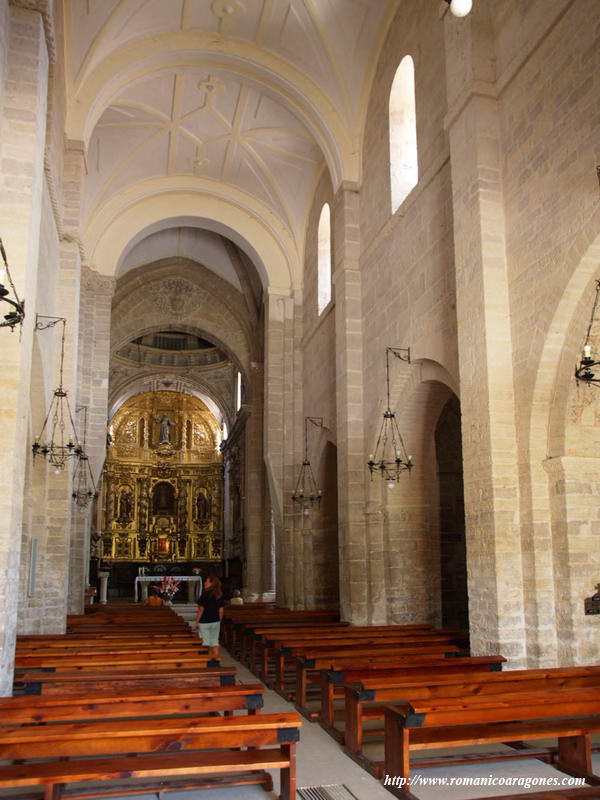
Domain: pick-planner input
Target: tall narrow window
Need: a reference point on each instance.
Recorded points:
(238, 392)
(404, 169)
(324, 258)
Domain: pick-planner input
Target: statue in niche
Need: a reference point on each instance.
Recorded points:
(125, 505)
(163, 498)
(202, 509)
(164, 432)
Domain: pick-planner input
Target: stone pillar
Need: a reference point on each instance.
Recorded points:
(350, 409)
(281, 393)
(24, 77)
(496, 609)
(254, 517)
(94, 300)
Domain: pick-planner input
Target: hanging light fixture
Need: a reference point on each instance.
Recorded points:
(306, 493)
(16, 315)
(583, 371)
(390, 459)
(54, 449)
(84, 486)
(460, 8)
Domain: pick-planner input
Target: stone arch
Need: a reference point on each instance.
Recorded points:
(216, 207)
(222, 315)
(409, 512)
(561, 479)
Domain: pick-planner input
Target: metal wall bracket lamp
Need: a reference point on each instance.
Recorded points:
(390, 459)
(16, 315)
(584, 370)
(306, 493)
(54, 449)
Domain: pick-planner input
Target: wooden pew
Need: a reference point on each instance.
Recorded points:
(236, 618)
(125, 661)
(334, 674)
(38, 682)
(568, 715)
(311, 654)
(361, 698)
(26, 710)
(153, 752)
(265, 643)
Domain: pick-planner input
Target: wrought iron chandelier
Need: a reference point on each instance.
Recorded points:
(306, 493)
(54, 449)
(84, 486)
(390, 459)
(584, 370)
(16, 315)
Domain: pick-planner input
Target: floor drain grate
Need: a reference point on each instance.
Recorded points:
(336, 791)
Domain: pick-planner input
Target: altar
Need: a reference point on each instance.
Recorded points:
(142, 584)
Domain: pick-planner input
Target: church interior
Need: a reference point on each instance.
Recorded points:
(303, 294)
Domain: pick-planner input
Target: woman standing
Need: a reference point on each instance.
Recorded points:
(210, 614)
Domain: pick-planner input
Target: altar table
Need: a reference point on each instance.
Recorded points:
(142, 581)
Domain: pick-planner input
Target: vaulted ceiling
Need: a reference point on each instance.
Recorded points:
(246, 99)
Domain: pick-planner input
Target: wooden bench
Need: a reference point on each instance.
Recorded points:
(84, 661)
(160, 752)
(364, 700)
(334, 674)
(266, 644)
(570, 716)
(288, 656)
(38, 682)
(236, 618)
(25, 710)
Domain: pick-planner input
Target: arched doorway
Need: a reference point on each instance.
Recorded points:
(453, 556)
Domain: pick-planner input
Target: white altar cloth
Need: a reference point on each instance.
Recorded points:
(142, 581)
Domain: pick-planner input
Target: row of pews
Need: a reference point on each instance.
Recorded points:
(128, 701)
(418, 689)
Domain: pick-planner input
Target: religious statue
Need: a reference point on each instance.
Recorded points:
(202, 508)
(125, 505)
(164, 434)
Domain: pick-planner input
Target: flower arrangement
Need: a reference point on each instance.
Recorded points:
(168, 587)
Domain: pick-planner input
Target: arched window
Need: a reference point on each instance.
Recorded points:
(404, 168)
(324, 258)
(238, 392)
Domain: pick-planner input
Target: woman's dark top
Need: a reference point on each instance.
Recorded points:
(211, 606)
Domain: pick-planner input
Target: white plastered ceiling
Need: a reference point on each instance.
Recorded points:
(234, 93)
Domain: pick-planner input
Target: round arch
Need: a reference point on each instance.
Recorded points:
(141, 384)
(223, 209)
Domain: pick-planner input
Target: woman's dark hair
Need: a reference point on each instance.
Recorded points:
(215, 586)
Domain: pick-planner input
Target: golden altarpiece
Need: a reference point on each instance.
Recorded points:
(163, 481)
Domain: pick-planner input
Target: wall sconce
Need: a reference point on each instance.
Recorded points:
(583, 371)
(389, 458)
(306, 493)
(460, 8)
(16, 315)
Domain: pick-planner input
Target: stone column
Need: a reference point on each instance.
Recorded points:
(350, 409)
(496, 609)
(94, 299)
(281, 377)
(255, 482)
(23, 92)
